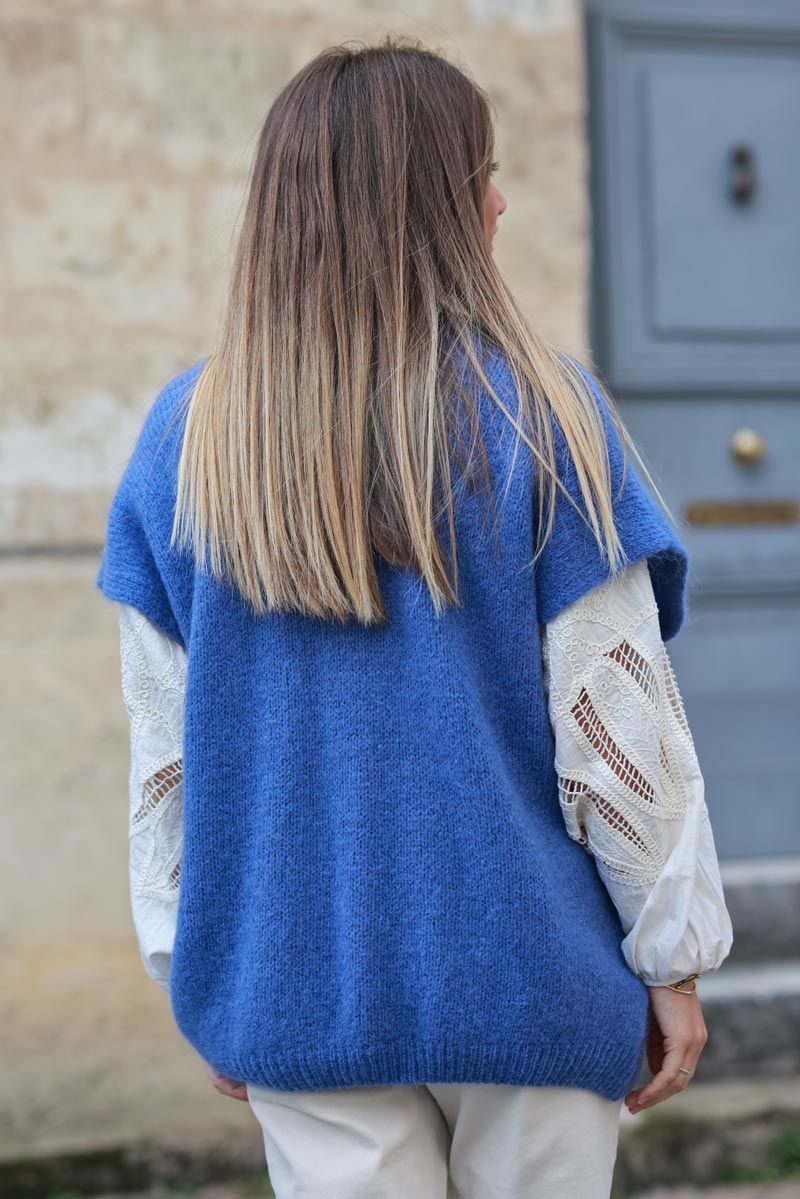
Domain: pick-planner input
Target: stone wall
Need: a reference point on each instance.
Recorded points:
(126, 129)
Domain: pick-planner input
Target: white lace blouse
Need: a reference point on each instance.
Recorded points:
(630, 788)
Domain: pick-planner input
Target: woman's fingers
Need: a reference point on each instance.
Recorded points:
(669, 1080)
(232, 1088)
(679, 1022)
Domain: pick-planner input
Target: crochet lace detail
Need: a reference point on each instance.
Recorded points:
(153, 687)
(624, 740)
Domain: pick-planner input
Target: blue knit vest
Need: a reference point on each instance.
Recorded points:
(377, 884)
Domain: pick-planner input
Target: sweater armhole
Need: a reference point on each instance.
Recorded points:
(140, 594)
(128, 570)
(571, 563)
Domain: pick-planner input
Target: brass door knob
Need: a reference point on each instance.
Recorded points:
(747, 445)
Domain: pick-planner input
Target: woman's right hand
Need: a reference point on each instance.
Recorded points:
(676, 1038)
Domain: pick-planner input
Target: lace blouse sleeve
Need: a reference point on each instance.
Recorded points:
(153, 688)
(630, 787)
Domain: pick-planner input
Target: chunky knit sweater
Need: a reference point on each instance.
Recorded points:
(377, 885)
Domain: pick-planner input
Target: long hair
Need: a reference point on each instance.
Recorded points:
(323, 427)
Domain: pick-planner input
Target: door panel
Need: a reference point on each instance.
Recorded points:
(737, 659)
(726, 248)
(698, 129)
(688, 445)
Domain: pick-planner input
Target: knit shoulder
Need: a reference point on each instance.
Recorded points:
(162, 427)
(138, 565)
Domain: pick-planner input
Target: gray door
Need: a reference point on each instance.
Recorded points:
(694, 118)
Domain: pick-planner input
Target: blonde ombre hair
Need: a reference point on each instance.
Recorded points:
(322, 427)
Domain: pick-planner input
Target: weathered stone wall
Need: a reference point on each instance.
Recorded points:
(126, 129)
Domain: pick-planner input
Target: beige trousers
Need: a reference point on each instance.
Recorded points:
(397, 1142)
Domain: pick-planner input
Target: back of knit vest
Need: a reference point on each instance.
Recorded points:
(377, 885)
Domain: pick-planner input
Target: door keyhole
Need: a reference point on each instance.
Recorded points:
(743, 176)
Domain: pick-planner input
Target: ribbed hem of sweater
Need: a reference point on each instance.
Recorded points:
(609, 1069)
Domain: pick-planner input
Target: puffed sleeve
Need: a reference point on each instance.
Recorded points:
(153, 687)
(630, 785)
(572, 563)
